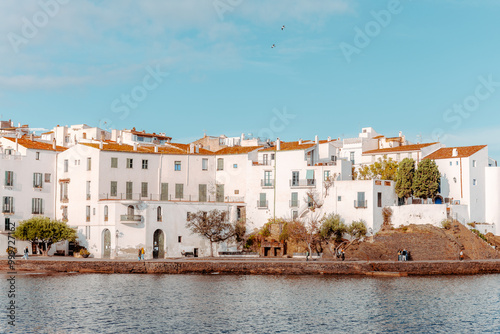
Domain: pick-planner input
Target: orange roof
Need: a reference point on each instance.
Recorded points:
(327, 141)
(36, 145)
(447, 152)
(405, 148)
(145, 134)
(237, 150)
(170, 149)
(377, 137)
(290, 146)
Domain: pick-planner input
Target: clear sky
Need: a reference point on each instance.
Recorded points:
(427, 68)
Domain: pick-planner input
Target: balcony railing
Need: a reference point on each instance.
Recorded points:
(171, 197)
(262, 204)
(294, 203)
(130, 218)
(263, 163)
(7, 209)
(266, 183)
(304, 183)
(360, 204)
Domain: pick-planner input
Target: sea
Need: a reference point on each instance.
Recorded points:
(145, 303)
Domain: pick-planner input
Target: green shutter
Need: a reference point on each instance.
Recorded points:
(310, 174)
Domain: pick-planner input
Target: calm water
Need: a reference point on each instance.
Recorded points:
(97, 303)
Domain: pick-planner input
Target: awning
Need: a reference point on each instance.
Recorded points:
(310, 174)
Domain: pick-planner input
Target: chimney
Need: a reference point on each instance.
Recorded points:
(169, 140)
(101, 145)
(454, 153)
(135, 146)
(31, 136)
(156, 149)
(191, 148)
(329, 139)
(300, 141)
(54, 147)
(316, 139)
(400, 133)
(278, 144)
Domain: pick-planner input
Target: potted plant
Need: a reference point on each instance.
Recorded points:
(84, 252)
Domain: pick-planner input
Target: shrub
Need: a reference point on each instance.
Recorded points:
(404, 228)
(11, 249)
(446, 224)
(386, 216)
(479, 234)
(84, 252)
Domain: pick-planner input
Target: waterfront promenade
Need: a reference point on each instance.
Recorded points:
(253, 266)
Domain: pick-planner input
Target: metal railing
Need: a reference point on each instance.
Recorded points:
(360, 204)
(303, 183)
(269, 183)
(262, 204)
(130, 218)
(171, 197)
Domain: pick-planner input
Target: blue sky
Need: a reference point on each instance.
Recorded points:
(427, 68)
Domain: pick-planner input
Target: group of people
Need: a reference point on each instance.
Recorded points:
(403, 255)
(341, 254)
(141, 254)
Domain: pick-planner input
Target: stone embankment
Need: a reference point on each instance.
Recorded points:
(257, 267)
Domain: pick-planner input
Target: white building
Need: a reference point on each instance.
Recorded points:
(68, 136)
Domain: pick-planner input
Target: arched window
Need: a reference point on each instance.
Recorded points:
(130, 211)
(158, 214)
(105, 213)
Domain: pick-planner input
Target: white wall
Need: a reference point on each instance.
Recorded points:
(492, 197)
(418, 214)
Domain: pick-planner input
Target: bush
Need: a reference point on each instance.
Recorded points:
(446, 224)
(404, 228)
(11, 249)
(479, 234)
(84, 252)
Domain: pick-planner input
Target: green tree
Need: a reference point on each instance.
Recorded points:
(426, 180)
(331, 230)
(43, 230)
(357, 229)
(212, 225)
(404, 178)
(383, 169)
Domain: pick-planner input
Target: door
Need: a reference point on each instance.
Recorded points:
(106, 244)
(202, 189)
(219, 195)
(129, 190)
(164, 191)
(295, 179)
(158, 245)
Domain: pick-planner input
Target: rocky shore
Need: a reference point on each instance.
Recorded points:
(254, 267)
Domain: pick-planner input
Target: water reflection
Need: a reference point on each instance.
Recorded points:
(96, 303)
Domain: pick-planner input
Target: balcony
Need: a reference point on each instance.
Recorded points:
(266, 183)
(263, 163)
(360, 204)
(262, 204)
(304, 183)
(170, 197)
(131, 218)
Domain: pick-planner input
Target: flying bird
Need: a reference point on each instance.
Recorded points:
(283, 27)
(273, 46)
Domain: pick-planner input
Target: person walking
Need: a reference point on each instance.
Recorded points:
(26, 253)
(142, 253)
(461, 255)
(342, 254)
(399, 254)
(307, 255)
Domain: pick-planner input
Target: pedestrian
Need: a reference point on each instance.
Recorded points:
(399, 254)
(461, 256)
(140, 253)
(404, 254)
(342, 254)
(307, 255)
(26, 253)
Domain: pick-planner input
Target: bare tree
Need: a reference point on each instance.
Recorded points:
(314, 200)
(329, 182)
(212, 225)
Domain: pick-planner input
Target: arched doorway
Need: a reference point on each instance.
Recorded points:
(438, 200)
(158, 244)
(106, 244)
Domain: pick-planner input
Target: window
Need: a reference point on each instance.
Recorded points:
(219, 193)
(351, 157)
(37, 155)
(473, 163)
(105, 213)
(66, 139)
(47, 177)
(268, 182)
(7, 224)
(36, 206)
(144, 189)
(144, 164)
(326, 175)
(272, 156)
(236, 192)
(451, 163)
(262, 202)
(9, 178)
(177, 165)
(265, 159)
(66, 164)
(294, 201)
(310, 177)
(89, 163)
(220, 164)
(204, 164)
(88, 190)
(87, 213)
(202, 192)
(113, 188)
(295, 178)
(128, 189)
(164, 192)
(379, 200)
(114, 162)
(87, 232)
(361, 203)
(339, 198)
(8, 204)
(179, 239)
(310, 200)
(65, 213)
(158, 214)
(37, 180)
(456, 163)
(235, 165)
(130, 163)
(179, 191)
(64, 191)
(474, 182)
(295, 214)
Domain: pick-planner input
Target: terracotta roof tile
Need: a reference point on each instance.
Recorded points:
(405, 148)
(36, 145)
(237, 150)
(145, 134)
(292, 145)
(447, 152)
(169, 149)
